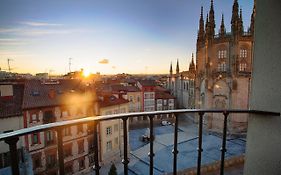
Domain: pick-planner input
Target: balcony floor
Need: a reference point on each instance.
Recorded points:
(163, 145)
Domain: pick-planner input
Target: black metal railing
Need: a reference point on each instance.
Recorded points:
(11, 138)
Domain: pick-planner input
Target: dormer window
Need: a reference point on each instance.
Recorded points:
(221, 54)
(243, 53)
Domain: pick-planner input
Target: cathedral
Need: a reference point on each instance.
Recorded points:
(223, 68)
(181, 85)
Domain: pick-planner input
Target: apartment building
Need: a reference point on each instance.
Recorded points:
(11, 119)
(111, 132)
(58, 100)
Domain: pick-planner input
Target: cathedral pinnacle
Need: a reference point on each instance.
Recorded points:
(212, 20)
(222, 27)
(177, 68)
(171, 69)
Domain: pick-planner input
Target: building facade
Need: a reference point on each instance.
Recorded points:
(58, 100)
(11, 119)
(223, 68)
(181, 85)
(111, 132)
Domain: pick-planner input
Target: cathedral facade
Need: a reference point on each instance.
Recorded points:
(223, 68)
(182, 86)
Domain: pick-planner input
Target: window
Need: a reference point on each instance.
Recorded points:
(91, 159)
(108, 130)
(34, 118)
(49, 117)
(81, 164)
(64, 114)
(116, 141)
(5, 160)
(243, 53)
(80, 146)
(165, 102)
(35, 138)
(36, 160)
(138, 98)
(108, 145)
(68, 168)
(49, 137)
(67, 131)
(115, 127)
(221, 67)
(79, 129)
(91, 144)
(131, 98)
(67, 150)
(222, 54)
(242, 67)
(51, 160)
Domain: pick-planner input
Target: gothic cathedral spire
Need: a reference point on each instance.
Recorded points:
(212, 20)
(192, 65)
(201, 33)
(177, 68)
(253, 19)
(240, 27)
(235, 18)
(222, 27)
(171, 69)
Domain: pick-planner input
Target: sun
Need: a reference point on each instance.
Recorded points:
(86, 73)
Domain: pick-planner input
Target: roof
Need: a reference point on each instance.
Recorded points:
(163, 95)
(147, 82)
(39, 93)
(12, 105)
(111, 101)
(118, 88)
(159, 88)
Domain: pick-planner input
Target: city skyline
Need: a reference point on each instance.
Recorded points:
(104, 36)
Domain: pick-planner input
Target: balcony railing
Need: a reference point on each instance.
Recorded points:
(11, 138)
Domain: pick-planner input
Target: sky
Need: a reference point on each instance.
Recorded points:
(107, 36)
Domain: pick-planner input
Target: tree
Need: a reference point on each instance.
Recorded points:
(112, 170)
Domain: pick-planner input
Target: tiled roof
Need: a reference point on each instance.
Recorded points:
(11, 106)
(111, 101)
(163, 95)
(117, 88)
(43, 94)
(147, 82)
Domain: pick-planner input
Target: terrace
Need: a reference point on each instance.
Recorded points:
(12, 138)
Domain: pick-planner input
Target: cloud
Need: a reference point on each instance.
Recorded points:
(39, 24)
(12, 41)
(104, 61)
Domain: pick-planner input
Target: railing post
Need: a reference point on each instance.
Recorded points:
(12, 142)
(60, 150)
(223, 148)
(175, 150)
(151, 139)
(199, 149)
(125, 160)
(96, 149)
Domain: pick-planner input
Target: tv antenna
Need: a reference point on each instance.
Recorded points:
(9, 66)
(69, 64)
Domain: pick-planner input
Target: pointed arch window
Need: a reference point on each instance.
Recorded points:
(242, 67)
(243, 53)
(222, 67)
(222, 53)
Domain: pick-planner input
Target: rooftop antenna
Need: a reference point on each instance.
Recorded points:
(9, 67)
(69, 64)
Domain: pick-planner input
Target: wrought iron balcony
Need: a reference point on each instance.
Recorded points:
(11, 138)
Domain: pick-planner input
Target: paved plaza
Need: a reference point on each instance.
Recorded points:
(187, 147)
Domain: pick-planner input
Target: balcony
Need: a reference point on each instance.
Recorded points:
(12, 137)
